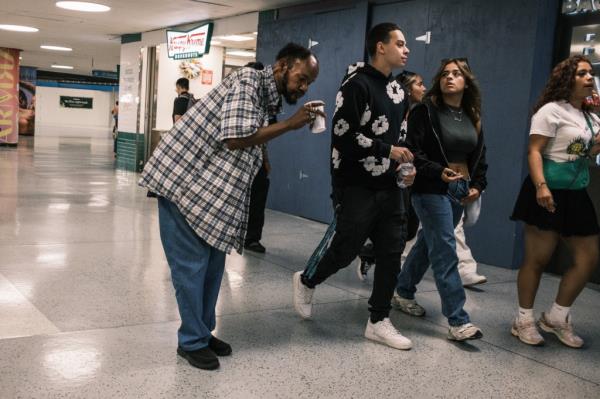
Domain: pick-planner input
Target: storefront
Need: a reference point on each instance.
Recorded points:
(152, 62)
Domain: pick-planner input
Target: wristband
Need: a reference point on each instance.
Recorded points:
(540, 184)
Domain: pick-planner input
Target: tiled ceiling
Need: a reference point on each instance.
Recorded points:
(95, 37)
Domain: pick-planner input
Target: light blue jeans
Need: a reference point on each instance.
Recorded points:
(439, 214)
(196, 271)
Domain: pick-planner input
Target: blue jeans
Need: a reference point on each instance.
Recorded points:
(196, 272)
(439, 214)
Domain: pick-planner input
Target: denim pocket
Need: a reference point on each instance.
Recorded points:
(457, 190)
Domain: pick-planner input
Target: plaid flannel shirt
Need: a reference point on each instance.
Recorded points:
(193, 168)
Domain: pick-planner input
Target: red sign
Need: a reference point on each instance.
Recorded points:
(207, 77)
(9, 95)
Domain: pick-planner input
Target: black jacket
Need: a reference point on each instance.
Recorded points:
(367, 122)
(426, 143)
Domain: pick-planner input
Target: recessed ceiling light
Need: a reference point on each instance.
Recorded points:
(62, 66)
(55, 48)
(82, 6)
(241, 53)
(236, 38)
(18, 28)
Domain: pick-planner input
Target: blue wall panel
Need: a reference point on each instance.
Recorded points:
(300, 180)
(509, 45)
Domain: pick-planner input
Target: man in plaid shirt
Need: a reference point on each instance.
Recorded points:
(202, 171)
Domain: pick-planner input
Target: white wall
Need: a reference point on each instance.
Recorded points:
(53, 120)
(129, 85)
(169, 72)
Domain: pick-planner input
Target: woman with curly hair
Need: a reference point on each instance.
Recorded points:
(553, 201)
(444, 134)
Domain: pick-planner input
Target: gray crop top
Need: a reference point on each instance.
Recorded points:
(459, 136)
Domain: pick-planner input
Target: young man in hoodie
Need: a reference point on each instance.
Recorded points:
(366, 152)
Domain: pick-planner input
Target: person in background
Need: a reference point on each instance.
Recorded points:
(554, 203)
(184, 100)
(115, 130)
(444, 133)
(202, 171)
(260, 191)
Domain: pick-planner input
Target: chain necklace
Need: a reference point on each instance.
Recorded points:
(456, 115)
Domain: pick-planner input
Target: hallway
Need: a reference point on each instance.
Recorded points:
(87, 309)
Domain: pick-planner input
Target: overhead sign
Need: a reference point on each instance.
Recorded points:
(189, 44)
(76, 102)
(105, 74)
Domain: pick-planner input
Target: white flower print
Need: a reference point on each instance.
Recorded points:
(366, 116)
(339, 101)
(395, 92)
(352, 68)
(363, 141)
(380, 126)
(403, 130)
(341, 127)
(335, 159)
(377, 169)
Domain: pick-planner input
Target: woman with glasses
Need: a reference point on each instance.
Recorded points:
(445, 136)
(553, 201)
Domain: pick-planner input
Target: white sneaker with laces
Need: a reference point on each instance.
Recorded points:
(384, 332)
(464, 332)
(302, 297)
(471, 279)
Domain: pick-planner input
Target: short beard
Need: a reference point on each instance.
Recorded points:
(286, 95)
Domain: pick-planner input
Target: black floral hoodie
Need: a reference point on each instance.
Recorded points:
(368, 120)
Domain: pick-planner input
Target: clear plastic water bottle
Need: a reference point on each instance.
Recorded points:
(406, 169)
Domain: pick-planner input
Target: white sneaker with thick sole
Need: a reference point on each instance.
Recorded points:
(464, 332)
(472, 279)
(408, 306)
(385, 333)
(302, 296)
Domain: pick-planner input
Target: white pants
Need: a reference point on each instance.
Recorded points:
(466, 263)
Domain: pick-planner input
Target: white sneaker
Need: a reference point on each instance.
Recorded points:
(471, 279)
(464, 332)
(302, 296)
(408, 306)
(384, 332)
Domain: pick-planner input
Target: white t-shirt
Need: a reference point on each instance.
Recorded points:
(567, 128)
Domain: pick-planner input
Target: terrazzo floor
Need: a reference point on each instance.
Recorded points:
(87, 309)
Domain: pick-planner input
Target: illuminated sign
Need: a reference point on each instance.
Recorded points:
(191, 44)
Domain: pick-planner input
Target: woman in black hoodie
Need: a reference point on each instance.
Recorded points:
(445, 136)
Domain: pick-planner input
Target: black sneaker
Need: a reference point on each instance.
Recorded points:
(220, 348)
(203, 358)
(255, 246)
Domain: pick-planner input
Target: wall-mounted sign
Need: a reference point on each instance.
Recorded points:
(76, 102)
(9, 96)
(105, 74)
(189, 44)
(207, 77)
(191, 69)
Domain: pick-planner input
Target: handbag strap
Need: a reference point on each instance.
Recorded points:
(588, 119)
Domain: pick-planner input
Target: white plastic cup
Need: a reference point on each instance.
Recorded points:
(318, 124)
(405, 169)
